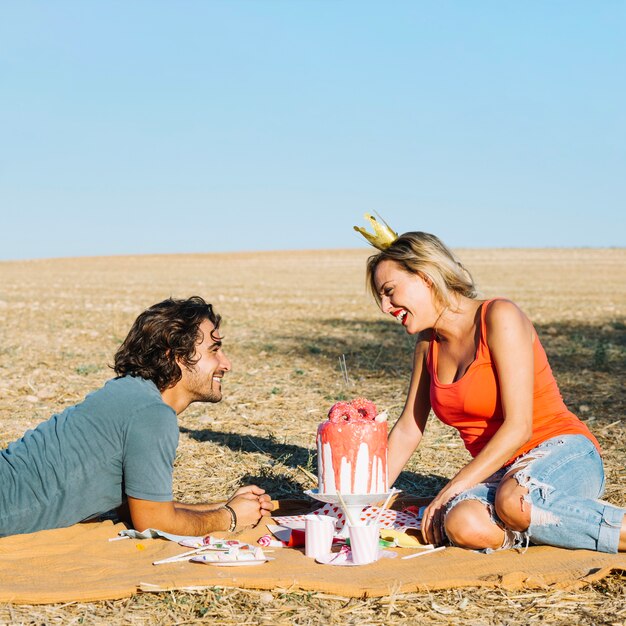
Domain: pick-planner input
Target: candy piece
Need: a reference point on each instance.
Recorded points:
(267, 541)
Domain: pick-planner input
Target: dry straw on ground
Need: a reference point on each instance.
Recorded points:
(289, 316)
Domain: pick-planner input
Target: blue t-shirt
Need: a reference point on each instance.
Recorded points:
(120, 441)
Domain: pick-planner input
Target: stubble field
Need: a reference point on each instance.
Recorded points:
(289, 317)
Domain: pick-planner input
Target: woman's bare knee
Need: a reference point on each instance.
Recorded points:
(469, 525)
(511, 505)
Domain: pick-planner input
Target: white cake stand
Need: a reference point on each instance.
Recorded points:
(355, 502)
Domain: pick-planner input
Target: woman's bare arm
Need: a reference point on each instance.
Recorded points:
(249, 503)
(408, 430)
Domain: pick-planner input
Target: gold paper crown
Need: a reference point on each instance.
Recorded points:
(383, 236)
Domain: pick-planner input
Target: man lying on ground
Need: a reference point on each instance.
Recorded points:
(117, 447)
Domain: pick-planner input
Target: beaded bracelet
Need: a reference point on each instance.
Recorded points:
(233, 518)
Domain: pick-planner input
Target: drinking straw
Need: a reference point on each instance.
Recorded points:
(412, 556)
(380, 512)
(345, 509)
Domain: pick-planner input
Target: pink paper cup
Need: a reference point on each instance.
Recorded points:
(364, 543)
(319, 531)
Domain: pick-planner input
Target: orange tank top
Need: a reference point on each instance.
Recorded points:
(472, 404)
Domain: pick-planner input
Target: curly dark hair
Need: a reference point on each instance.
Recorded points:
(161, 335)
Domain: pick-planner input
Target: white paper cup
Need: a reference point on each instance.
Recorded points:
(364, 543)
(318, 535)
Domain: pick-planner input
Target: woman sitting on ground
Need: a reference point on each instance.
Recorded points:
(536, 471)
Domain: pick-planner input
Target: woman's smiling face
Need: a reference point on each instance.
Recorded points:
(405, 296)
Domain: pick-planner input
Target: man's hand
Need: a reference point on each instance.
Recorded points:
(257, 491)
(250, 503)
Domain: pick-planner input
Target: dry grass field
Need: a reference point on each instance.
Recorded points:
(289, 316)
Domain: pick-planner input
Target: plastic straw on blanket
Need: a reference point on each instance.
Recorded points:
(185, 556)
(424, 552)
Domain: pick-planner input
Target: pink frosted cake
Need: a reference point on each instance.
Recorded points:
(352, 449)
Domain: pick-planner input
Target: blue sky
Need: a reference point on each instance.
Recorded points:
(169, 127)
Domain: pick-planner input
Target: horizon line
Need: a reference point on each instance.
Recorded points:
(287, 251)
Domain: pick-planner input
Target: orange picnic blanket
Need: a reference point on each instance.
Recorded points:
(79, 563)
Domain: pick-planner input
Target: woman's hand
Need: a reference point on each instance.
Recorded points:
(433, 520)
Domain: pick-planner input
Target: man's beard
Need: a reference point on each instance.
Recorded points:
(210, 395)
(203, 391)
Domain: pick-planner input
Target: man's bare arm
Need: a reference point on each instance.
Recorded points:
(249, 504)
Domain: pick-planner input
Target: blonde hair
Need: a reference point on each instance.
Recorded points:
(426, 255)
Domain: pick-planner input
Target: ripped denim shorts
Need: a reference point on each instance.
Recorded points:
(564, 476)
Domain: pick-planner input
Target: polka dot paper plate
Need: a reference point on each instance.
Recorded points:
(398, 520)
